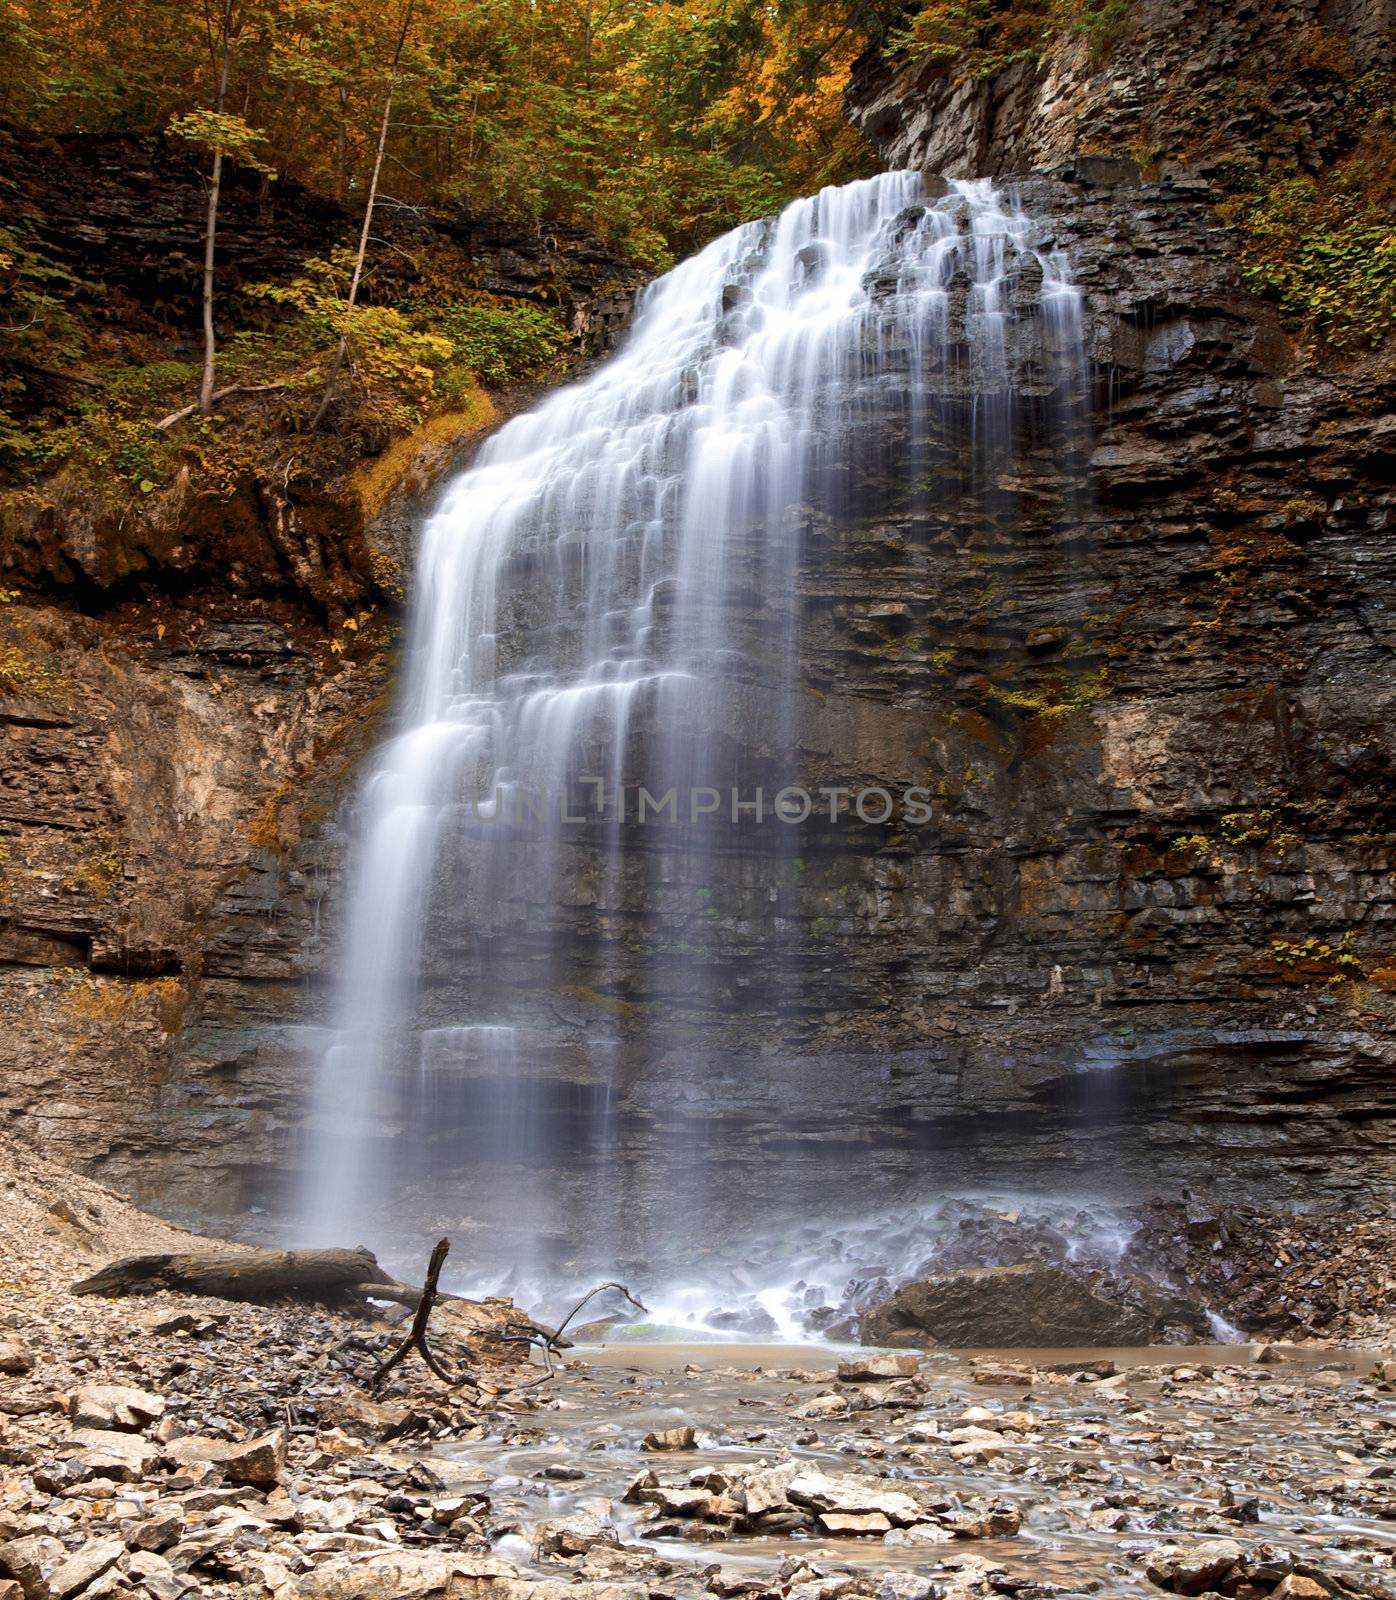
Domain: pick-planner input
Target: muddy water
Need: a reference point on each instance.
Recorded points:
(1176, 1446)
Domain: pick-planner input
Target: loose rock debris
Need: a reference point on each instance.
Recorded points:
(179, 1445)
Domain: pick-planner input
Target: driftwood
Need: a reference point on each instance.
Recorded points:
(417, 1334)
(550, 1340)
(323, 1275)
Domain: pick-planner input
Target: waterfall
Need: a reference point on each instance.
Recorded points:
(610, 600)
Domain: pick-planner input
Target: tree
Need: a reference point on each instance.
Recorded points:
(223, 135)
(357, 278)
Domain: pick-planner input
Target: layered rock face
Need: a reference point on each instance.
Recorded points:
(1146, 941)
(182, 706)
(1183, 82)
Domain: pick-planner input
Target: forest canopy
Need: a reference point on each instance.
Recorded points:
(655, 124)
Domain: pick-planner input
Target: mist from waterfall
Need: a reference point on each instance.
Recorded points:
(609, 598)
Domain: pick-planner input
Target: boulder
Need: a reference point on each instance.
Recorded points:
(877, 1369)
(258, 1461)
(1012, 1307)
(104, 1453)
(114, 1405)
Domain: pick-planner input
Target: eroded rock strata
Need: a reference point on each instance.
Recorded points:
(1145, 942)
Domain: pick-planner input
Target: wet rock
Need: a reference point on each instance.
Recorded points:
(1012, 1306)
(1193, 1569)
(877, 1369)
(114, 1405)
(671, 1439)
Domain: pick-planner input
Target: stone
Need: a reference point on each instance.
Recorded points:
(904, 1586)
(670, 1439)
(29, 1561)
(1192, 1569)
(855, 1522)
(156, 1575)
(114, 1405)
(824, 1405)
(259, 1462)
(1019, 1306)
(85, 1565)
(825, 1492)
(158, 1531)
(877, 1369)
(105, 1453)
(409, 1573)
(766, 1489)
(572, 1536)
(1295, 1586)
(16, 1358)
(992, 1522)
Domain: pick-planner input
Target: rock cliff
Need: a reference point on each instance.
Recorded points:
(1148, 942)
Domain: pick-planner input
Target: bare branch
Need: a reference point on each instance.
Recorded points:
(417, 1334)
(218, 394)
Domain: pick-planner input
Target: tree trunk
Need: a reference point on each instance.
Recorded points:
(211, 228)
(326, 1275)
(341, 178)
(354, 282)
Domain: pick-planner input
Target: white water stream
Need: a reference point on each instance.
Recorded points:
(603, 598)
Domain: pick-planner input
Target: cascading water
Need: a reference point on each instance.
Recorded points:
(610, 600)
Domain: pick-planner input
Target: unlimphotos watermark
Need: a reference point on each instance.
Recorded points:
(588, 800)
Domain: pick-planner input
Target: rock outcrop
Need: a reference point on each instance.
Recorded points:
(1146, 942)
(1173, 84)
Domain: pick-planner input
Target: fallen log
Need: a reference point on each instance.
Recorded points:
(320, 1275)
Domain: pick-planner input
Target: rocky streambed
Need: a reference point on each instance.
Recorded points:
(169, 1448)
(173, 1445)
